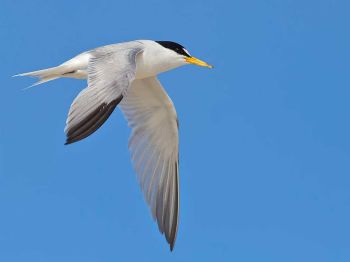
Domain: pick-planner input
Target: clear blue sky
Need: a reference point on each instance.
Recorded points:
(264, 136)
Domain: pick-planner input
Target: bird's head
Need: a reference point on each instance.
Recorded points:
(180, 53)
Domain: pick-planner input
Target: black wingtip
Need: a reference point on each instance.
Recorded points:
(92, 122)
(172, 246)
(69, 141)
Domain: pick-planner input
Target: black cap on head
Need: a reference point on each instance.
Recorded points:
(175, 47)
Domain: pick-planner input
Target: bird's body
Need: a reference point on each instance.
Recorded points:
(125, 74)
(149, 63)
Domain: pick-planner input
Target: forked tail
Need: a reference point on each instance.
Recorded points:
(46, 75)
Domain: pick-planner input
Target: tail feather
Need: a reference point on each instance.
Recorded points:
(41, 81)
(46, 75)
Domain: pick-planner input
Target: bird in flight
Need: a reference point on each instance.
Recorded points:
(125, 74)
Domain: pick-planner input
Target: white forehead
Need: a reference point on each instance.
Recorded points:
(186, 51)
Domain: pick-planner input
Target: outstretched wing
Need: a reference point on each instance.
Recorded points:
(110, 73)
(154, 149)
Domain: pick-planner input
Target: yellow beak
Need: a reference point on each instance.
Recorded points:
(196, 61)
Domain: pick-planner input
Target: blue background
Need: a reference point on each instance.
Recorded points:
(264, 136)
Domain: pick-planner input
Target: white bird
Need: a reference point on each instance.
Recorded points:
(126, 74)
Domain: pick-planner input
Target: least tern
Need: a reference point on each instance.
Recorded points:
(125, 74)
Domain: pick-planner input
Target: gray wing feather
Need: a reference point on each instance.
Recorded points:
(110, 73)
(154, 150)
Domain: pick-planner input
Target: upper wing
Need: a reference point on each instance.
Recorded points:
(110, 73)
(154, 149)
